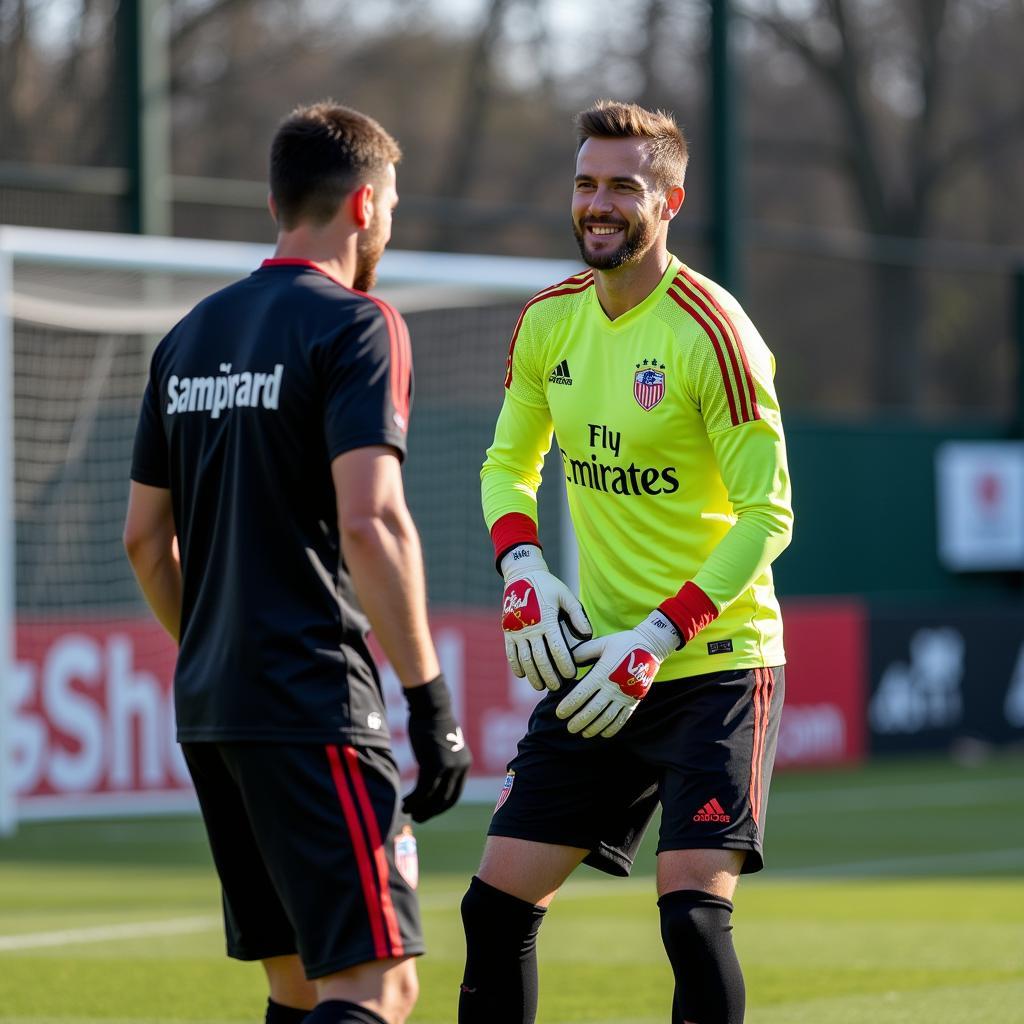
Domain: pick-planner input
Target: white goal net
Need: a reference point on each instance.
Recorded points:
(85, 716)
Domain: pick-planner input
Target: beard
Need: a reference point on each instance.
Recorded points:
(633, 246)
(369, 250)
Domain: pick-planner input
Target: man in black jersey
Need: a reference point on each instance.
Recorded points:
(269, 447)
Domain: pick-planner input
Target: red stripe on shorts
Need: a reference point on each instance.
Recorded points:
(363, 861)
(380, 857)
(764, 687)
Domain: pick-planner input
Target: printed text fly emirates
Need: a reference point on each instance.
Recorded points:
(632, 479)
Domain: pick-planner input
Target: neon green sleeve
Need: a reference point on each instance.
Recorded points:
(511, 473)
(510, 477)
(752, 461)
(750, 450)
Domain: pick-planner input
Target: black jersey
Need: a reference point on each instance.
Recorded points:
(249, 399)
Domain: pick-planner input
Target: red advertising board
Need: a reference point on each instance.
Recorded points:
(91, 728)
(92, 725)
(823, 719)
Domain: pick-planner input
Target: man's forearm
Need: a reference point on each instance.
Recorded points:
(383, 555)
(753, 542)
(159, 577)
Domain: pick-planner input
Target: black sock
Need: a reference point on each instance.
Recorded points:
(697, 933)
(500, 982)
(340, 1011)
(277, 1013)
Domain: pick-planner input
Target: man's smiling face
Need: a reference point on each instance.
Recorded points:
(615, 203)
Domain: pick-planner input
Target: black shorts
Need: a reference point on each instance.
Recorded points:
(703, 747)
(314, 854)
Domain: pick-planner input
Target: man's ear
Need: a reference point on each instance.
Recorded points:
(362, 206)
(272, 206)
(673, 201)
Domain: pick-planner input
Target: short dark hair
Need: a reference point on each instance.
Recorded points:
(319, 155)
(609, 119)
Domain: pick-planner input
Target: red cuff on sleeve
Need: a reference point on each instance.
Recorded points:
(511, 529)
(689, 611)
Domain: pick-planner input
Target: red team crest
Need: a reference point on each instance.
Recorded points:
(406, 859)
(520, 607)
(635, 673)
(648, 387)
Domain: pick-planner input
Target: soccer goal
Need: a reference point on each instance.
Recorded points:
(86, 726)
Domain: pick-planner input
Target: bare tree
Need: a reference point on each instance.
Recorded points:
(887, 68)
(471, 116)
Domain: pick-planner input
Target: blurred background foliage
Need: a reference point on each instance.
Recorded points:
(900, 121)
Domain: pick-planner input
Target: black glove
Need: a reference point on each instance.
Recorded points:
(440, 751)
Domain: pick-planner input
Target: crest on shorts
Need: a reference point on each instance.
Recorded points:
(649, 383)
(506, 788)
(406, 859)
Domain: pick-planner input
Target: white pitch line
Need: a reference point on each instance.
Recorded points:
(109, 932)
(882, 797)
(574, 889)
(589, 887)
(870, 797)
(581, 889)
(935, 862)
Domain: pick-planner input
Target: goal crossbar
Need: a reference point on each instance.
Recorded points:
(71, 294)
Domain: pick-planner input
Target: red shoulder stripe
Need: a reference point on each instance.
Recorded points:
(686, 287)
(401, 373)
(579, 278)
(570, 286)
(746, 381)
(716, 344)
(401, 357)
(398, 337)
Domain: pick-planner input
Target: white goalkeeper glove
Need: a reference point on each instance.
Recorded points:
(627, 662)
(533, 601)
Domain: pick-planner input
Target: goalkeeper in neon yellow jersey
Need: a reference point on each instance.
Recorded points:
(659, 394)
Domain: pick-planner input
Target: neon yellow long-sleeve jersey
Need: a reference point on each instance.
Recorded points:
(673, 454)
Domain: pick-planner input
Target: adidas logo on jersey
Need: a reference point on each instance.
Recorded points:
(712, 811)
(226, 391)
(560, 374)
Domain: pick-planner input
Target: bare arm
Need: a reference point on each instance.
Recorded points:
(149, 540)
(382, 550)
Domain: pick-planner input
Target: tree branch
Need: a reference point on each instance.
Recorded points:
(932, 16)
(460, 170)
(654, 18)
(842, 77)
(985, 140)
(785, 33)
(864, 151)
(183, 34)
(817, 151)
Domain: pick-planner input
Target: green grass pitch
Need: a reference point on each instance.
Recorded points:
(894, 893)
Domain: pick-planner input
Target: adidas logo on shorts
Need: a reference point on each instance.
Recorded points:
(712, 811)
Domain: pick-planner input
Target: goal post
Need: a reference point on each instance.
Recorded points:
(85, 720)
(7, 612)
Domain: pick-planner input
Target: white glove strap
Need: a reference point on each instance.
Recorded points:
(523, 558)
(660, 634)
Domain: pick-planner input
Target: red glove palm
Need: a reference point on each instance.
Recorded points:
(533, 602)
